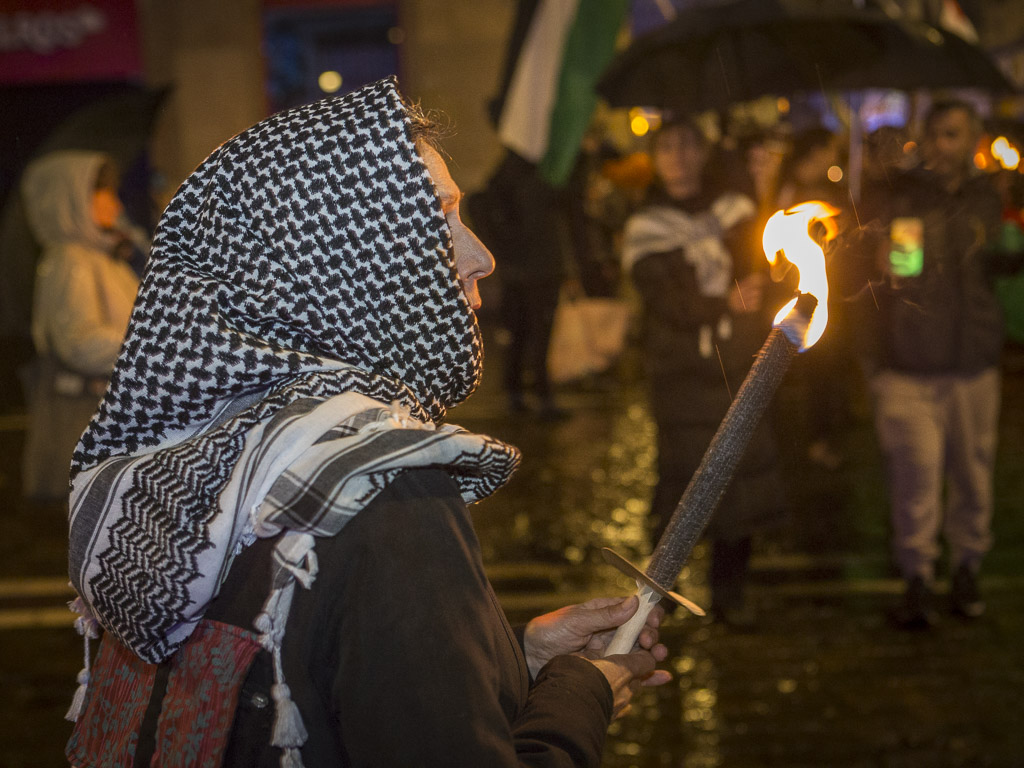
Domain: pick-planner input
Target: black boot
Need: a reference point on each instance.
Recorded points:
(964, 594)
(915, 612)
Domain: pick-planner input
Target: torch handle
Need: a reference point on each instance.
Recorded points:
(626, 635)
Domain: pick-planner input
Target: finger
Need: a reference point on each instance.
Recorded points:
(607, 616)
(653, 647)
(658, 677)
(647, 638)
(639, 664)
(599, 602)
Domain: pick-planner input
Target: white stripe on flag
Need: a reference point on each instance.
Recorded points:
(526, 119)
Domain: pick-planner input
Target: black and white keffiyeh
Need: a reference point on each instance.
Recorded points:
(664, 228)
(298, 336)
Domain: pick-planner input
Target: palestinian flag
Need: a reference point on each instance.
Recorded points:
(559, 49)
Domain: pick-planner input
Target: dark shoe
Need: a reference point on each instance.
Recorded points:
(916, 611)
(964, 595)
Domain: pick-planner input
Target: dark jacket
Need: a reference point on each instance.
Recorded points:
(518, 216)
(691, 389)
(947, 319)
(399, 655)
(688, 385)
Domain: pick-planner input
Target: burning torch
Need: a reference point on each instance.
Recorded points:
(798, 325)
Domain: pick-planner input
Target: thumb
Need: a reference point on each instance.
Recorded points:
(618, 613)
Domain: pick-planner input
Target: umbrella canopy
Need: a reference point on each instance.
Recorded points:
(714, 55)
(927, 58)
(118, 125)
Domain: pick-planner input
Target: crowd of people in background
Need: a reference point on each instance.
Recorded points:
(914, 306)
(215, 375)
(675, 230)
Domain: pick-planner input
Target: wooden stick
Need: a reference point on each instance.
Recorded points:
(626, 635)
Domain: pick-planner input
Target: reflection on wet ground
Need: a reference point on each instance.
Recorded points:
(822, 681)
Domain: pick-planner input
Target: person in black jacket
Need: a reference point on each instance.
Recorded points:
(937, 348)
(269, 515)
(519, 217)
(689, 251)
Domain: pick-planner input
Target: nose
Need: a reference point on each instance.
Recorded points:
(481, 259)
(472, 261)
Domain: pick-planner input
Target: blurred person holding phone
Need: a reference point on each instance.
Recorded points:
(935, 375)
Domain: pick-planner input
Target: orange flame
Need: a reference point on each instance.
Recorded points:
(787, 237)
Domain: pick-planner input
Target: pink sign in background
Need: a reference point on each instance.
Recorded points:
(60, 41)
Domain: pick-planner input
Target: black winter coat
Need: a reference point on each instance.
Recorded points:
(947, 319)
(691, 389)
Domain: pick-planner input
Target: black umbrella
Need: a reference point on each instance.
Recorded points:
(714, 55)
(927, 58)
(118, 125)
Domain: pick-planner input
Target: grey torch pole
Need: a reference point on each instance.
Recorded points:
(716, 469)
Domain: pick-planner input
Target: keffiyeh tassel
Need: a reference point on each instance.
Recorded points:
(87, 626)
(294, 560)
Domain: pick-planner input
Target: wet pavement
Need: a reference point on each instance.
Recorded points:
(822, 679)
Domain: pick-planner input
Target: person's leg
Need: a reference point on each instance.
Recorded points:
(973, 417)
(910, 433)
(543, 304)
(679, 453)
(515, 317)
(727, 578)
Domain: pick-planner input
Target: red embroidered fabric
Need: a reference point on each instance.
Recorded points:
(196, 713)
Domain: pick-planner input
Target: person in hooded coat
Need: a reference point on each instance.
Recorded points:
(268, 517)
(84, 292)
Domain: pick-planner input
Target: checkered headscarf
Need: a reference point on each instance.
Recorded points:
(298, 336)
(310, 240)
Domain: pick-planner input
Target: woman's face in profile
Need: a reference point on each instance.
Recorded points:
(106, 205)
(680, 153)
(472, 259)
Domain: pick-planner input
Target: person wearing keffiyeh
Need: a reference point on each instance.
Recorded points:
(268, 519)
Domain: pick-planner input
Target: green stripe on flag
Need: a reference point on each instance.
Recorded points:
(588, 50)
(525, 121)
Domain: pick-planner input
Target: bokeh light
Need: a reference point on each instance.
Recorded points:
(1007, 155)
(329, 81)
